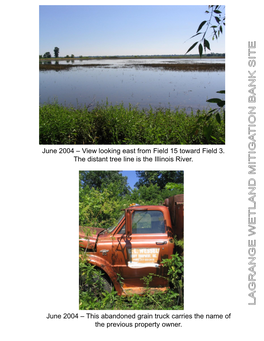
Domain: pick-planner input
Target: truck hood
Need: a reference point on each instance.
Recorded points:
(88, 236)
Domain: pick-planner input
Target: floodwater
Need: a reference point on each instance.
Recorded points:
(122, 81)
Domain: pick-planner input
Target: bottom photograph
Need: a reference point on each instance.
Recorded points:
(131, 240)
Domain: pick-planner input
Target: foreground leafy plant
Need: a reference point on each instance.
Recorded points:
(216, 13)
(217, 29)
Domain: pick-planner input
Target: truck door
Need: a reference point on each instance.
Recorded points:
(141, 253)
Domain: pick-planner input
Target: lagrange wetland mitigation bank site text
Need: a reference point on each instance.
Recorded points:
(252, 171)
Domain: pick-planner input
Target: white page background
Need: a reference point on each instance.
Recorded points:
(39, 219)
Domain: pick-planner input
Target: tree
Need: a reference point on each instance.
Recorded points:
(102, 179)
(99, 208)
(56, 52)
(153, 195)
(103, 194)
(161, 178)
(217, 29)
(47, 55)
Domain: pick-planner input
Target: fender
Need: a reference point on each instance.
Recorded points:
(107, 268)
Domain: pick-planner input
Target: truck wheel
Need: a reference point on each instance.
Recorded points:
(104, 283)
(97, 283)
(107, 285)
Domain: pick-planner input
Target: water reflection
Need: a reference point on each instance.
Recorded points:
(137, 86)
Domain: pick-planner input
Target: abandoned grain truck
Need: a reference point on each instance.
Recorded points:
(135, 247)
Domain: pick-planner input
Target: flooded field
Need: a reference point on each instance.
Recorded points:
(182, 83)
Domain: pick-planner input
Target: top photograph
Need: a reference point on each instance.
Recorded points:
(131, 75)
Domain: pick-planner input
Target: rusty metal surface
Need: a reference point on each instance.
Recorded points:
(141, 290)
(88, 236)
(102, 264)
(176, 208)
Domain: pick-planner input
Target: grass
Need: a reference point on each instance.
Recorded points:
(115, 124)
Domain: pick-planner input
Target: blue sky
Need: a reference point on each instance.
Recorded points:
(121, 30)
(131, 177)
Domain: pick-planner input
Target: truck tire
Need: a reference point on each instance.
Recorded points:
(97, 278)
(107, 284)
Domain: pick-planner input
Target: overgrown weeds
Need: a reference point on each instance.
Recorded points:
(94, 295)
(115, 124)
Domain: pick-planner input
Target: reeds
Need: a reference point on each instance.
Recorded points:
(115, 124)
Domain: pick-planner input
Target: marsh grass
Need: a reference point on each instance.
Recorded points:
(115, 124)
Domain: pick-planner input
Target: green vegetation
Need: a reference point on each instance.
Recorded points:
(94, 294)
(218, 16)
(115, 124)
(56, 52)
(47, 55)
(102, 195)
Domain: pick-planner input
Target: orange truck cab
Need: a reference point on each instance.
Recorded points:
(136, 246)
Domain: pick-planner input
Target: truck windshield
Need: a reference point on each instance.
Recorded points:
(110, 229)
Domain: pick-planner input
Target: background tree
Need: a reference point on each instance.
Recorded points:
(102, 179)
(161, 178)
(99, 208)
(56, 52)
(153, 194)
(47, 55)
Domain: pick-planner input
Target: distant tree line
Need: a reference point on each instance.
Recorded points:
(56, 54)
